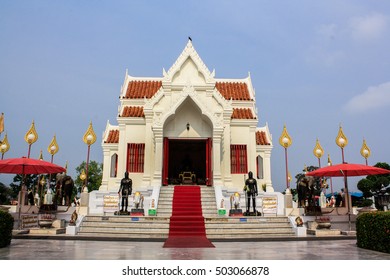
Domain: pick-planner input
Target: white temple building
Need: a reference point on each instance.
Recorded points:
(186, 122)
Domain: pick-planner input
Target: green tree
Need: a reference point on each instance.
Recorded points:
(29, 180)
(373, 184)
(5, 194)
(95, 174)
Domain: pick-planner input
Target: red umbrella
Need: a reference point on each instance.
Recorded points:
(347, 170)
(29, 166)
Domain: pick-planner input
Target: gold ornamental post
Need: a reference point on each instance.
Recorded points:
(330, 179)
(89, 138)
(31, 137)
(365, 151)
(53, 148)
(285, 141)
(318, 152)
(4, 146)
(342, 142)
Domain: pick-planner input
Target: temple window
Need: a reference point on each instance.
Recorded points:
(135, 157)
(114, 165)
(259, 166)
(238, 159)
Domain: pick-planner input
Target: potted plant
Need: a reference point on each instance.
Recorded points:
(323, 223)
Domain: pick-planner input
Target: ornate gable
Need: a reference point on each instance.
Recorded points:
(189, 66)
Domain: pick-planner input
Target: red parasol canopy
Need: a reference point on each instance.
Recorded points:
(347, 170)
(28, 166)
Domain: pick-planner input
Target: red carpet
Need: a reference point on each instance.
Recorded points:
(186, 228)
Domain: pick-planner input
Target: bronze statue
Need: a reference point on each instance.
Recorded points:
(67, 187)
(251, 192)
(125, 190)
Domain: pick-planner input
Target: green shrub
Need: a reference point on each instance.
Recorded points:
(373, 231)
(6, 226)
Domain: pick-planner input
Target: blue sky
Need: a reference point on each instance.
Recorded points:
(314, 65)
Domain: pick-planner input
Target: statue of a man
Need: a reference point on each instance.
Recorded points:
(251, 192)
(125, 190)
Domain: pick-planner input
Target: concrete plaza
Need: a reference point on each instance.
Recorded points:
(65, 249)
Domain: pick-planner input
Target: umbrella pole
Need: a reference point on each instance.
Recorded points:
(347, 201)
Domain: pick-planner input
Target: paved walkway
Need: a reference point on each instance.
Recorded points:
(43, 249)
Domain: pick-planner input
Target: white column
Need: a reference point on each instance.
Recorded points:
(148, 152)
(158, 138)
(226, 172)
(252, 150)
(106, 170)
(217, 178)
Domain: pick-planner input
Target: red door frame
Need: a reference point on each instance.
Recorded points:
(165, 161)
(209, 169)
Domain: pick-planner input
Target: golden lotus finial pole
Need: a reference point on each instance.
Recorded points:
(285, 141)
(31, 137)
(318, 152)
(330, 179)
(83, 176)
(1, 123)
(89, 138)
(4, 146)
(53, 148)
(365, 151)
(341, 141)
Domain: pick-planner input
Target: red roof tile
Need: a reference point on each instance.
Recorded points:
(236, 91)
(133, 111)
(242, 113)
(261, 138)
(113, 136)
(141, 89)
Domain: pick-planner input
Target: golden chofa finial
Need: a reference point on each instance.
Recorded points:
(89, 136)
(318, 151)
(285, 139)
(341, 139)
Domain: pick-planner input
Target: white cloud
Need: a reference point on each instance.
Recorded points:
(374, 97)
(369, 27)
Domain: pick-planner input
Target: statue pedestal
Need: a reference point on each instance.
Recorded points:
(137, 212)
(83, 210)
(84, 199)
(235, 212)
(288, 200)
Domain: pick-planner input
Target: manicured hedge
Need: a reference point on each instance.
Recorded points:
(373, 231)
(6, 226)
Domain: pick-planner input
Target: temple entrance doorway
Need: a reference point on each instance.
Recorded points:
(187, 161)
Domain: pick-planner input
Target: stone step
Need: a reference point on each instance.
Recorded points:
(123, 230)
(248, 235)
(157, 227)
(155, 235)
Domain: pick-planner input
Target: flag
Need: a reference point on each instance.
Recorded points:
(1, 123)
